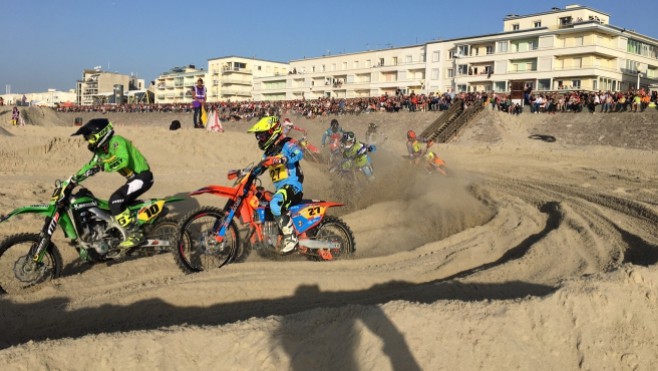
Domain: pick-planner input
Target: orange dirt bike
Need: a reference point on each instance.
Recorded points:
(429, 160)
(208, 237)
(311, 152)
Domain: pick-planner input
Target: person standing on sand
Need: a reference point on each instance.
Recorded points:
(199, 99)
(15, 116)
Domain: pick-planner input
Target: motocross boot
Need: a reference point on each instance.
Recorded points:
(134, 235)
(289, 237)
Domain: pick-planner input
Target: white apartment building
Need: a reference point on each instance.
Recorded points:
(361, 74)
(232, 77)
(560, 49)
(175, 85)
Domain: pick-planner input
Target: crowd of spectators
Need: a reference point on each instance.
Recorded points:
(579, 101)
(573, 101)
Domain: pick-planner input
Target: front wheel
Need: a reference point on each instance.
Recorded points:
(333, 229)
(195, 245)
(159, 237)
(18, 272)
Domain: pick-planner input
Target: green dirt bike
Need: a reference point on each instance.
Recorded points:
(28, 260)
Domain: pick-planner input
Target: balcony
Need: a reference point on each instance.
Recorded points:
(229, 81)
(230, 70)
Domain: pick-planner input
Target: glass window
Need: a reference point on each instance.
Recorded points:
(537, 24)
(502, 46)
(435, 56)
(435, 74)
(515, 27)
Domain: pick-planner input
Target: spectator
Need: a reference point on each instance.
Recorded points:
(15, 116)
(199, 100)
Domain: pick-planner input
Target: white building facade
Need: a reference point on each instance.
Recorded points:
(574, 48)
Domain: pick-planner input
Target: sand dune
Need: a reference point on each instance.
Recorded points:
(531, 254)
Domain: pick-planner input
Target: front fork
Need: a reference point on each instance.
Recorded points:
(37, 252)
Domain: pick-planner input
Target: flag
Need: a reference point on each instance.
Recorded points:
(204, 115)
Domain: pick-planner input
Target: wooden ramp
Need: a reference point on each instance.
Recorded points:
(446, 126)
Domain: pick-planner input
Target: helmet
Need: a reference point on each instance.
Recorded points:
(411, 135)
(267, 130)
(335, 125)
(348, 139)
(97, 132)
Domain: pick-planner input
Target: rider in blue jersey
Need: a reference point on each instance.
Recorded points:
(281, 157)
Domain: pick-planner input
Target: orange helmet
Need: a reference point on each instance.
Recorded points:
(411, 135)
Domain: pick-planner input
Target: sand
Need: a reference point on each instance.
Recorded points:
(531, 254)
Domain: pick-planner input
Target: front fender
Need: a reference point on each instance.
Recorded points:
(230, 192)
(42, 209)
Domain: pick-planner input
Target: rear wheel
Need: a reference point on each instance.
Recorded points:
(162, 232)
(18, 272)
(334, 229)
(194, 245)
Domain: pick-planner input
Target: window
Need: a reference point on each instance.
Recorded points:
(434, 74)
(344, 66)
(462, 69)
(502, 46)
(543, 84)
(381, 62)
(367, 63)
(575, 84)
(408, 59)
(435, 56)
(490, 50)
(537, 24)
(356, 64)
(451, 72)
(595, 84)
(395, 61)
(515, 27)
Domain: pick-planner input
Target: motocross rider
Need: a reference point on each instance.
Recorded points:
(355, 155)
(414, 147)
(373, 136)
(288, 126)
(116, 153)
(281, 155)
(334, 134)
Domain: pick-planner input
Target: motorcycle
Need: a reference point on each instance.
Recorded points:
(28, 260)
(311, 152)
(209, 237)
(429, 160)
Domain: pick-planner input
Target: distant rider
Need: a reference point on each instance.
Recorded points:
(334, 134)
(288, 126)
(355, 155)
(414, 145)
(281, 156)
(373, 136)
(116, 153)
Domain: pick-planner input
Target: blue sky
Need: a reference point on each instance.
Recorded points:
(48, 43)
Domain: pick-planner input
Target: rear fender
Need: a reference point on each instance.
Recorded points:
(308, 214)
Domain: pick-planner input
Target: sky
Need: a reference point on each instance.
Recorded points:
(48, 43)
